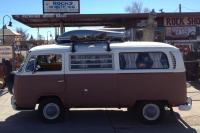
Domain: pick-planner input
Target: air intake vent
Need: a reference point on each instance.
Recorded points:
(173, 60)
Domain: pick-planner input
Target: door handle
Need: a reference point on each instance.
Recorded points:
(60, 81)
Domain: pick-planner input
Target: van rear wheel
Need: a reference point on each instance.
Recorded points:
(150, 112)
(51, 110)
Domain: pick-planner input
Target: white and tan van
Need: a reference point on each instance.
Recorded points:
(147, 76)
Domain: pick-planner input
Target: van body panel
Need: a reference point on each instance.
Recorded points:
(123, 89)
(170, 87)
(102, 90)
(29, 88)
(92, 90)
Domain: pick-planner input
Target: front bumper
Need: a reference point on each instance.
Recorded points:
(187, 106)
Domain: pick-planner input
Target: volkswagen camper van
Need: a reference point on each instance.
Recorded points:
(147, 76)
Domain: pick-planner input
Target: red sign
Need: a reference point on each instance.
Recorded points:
(185, 48)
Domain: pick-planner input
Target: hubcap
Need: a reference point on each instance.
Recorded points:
(51, 111)
(151, 112)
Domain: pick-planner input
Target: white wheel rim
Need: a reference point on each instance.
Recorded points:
(151, 112)
(51, 111)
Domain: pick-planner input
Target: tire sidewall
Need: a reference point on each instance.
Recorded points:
(141, 112)
(3, 84)
(51, 102)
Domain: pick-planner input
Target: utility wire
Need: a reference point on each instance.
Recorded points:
(190, 9)
(176, 9)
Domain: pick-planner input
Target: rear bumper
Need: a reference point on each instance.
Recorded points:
(187, 106)
(15, 107)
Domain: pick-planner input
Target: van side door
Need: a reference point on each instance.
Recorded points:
(91, 80)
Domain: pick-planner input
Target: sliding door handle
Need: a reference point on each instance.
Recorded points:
(60, 81)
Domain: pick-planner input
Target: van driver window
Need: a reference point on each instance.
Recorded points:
(52, 62)
(143, 60)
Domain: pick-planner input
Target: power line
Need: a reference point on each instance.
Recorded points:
(176, 9)
(190, 9)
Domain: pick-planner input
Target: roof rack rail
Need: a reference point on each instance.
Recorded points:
(108, 46)
(73, 48)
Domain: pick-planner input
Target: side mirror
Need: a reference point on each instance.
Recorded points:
(36, 68)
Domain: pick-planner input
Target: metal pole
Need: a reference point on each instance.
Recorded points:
(47, 38)
(62, 28)
(38, 33)
(55, 38)
(14, 61)
(3, 30)
(4, 26)
(179, 8)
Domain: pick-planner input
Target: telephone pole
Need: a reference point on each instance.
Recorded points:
(179, 8)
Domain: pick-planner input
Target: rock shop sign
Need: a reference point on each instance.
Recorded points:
(181, 21)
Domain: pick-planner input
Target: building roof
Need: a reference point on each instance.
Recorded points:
(72, 20)
(8, 32)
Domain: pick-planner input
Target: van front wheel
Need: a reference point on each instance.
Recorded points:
(150, 112)
(51, 110)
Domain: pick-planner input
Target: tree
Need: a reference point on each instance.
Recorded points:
(136, 7)
(31, 38)
(23, 33)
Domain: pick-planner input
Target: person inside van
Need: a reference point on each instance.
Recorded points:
(144, 61)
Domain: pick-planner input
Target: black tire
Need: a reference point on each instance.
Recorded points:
(9, 80)
(2, 84)
(130, 109)
(150, 112)
(51, 110)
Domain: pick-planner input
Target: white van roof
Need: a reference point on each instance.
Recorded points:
(122, 46)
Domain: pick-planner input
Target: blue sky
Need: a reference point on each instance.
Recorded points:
(11, 7)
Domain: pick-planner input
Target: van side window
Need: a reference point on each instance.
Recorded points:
(91, 62)
(143, 60)
(52, 62)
